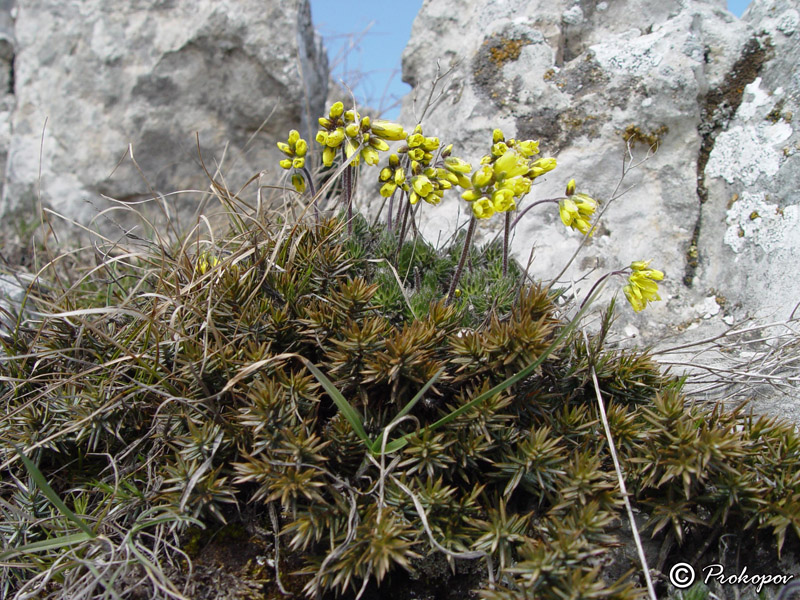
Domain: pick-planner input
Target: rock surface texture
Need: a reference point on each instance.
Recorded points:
(715, 94)
(717, 206)
(96, 76)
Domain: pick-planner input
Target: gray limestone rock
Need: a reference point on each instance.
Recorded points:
(716, 207)
(582, 77)
(749, 243)
(93, 78)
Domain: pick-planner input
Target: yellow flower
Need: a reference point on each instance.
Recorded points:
(295, 148)
(541, 166)
(388, 130)
(388, 188)
(483, 208)
(642, 287)
(503, 200)
(370, 155)
(430, 144)
(471, 195)
(335, 138)
(483, 176)
(422, 185)
(328, 154)
(456, 165)
(378, 144)
(571, 215)
(528, 147)
(336, 110)
(510, 165)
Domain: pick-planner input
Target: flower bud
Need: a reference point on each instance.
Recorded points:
(570, 188)
(365, 123)
(370, 155)
(298, 182)
(336, 110)
(394, 161)
(385, 174)
(388, 188)
(294, 135)
(541, 166)
(388, 130)
(323, 122)
(399, 176)
(379, 144)
(456, 165)
(483, 176)
(497, 136)
(286, 163)
(301, 148)
(352, 130)
(448, 150)
(430, 144)
(299, 162)
(336, 137)
(284, 147)
(328, 155)
(322, 137)
(471, 195)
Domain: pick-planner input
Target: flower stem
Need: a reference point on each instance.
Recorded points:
(601, 280)
(313, 191)
(506, 234)
(391, 210)
(347, 183)
(464, 252)
(401, 239)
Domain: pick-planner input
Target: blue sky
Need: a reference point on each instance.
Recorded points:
(366, 39)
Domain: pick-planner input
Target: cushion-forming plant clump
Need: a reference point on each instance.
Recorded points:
(380, 415)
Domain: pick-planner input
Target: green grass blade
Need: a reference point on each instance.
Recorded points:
(376, 447)
(51, 495)
(350, 413)
(51, 544)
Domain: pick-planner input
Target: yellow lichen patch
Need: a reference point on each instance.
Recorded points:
(505, 49)
(634, 134)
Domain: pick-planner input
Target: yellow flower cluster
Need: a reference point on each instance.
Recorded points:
(642, 287)
(296, 149)
(505, 176)
(423, 181)
(576, 210)
(361, 138)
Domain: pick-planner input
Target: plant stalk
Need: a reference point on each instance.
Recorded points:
(464, 252)
(506, 235)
